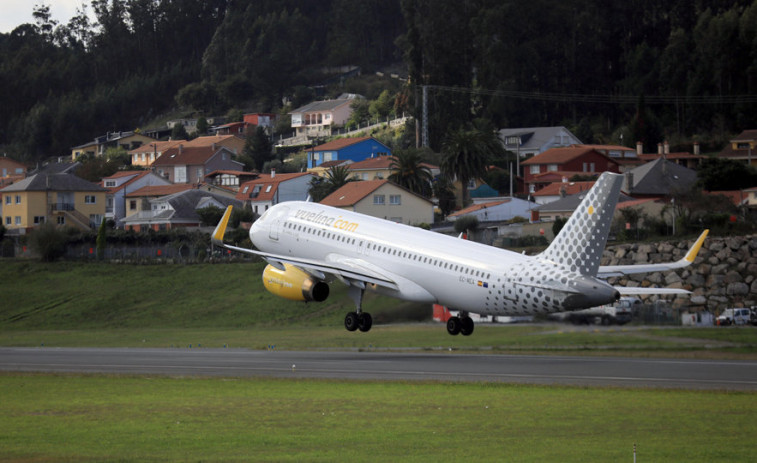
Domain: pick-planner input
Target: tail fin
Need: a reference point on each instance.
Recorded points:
(580, 243)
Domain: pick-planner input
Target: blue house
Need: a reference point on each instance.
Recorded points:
(353, 149)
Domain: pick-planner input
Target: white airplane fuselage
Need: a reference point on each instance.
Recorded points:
(428, 266)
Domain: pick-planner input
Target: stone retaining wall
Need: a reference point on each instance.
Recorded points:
(724, 273)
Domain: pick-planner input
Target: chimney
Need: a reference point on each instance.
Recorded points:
(628, 182)
(659, 148)
(696, 148)
(639, 148)
(213, 146)
(563, 193)
(273, 173)
(181, 147)
(666, 147)
(565, 179)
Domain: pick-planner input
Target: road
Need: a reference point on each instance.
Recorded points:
(530, 369)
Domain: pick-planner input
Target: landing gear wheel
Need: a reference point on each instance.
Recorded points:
(454, 326)
(466, 326)
(364, 322)
(351, 321)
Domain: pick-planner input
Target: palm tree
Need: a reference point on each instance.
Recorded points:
(465, 155)
(408, 171)
(336, 177)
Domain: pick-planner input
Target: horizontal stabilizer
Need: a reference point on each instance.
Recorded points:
(606, 271)
(637, 291)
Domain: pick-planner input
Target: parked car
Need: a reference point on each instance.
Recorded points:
(737, 316)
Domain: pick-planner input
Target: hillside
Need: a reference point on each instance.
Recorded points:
(643, 69)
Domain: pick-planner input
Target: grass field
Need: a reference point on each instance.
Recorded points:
(106, 418)
(73, 418)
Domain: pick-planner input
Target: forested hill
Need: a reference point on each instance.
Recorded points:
(677, 69)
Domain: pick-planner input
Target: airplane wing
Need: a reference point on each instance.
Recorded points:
(606, 271)
(625, 291)
(353, 272)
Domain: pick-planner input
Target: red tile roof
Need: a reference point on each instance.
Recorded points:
(351, 193)
(264, 180)
(571, 188)
(158, 146)
(478, 207)
(160, 190)
(561, 155)
(188, 156)
(338, 144)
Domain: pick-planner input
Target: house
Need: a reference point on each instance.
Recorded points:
(582, 160)
(97, 147)
(268, 190)
(62, 199)
(354, 149)
(557, 190)
(380, 167)
(139, 200)
(120, 184)
(498, 210)
(322, 170)
(742, 148)
(146, 154)
(658, 179)
(536, 140)
(10, 167)
(383, 199)
(317, 119)
(564, 207)
(265, 120)
(230, 179)
(178, 210)
(232, 128)
(182, 164)
(685, 159)
(233, 143)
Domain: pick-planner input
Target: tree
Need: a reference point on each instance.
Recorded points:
(409, 171)
(445, 195)
(101, 239)
(558, 224)
(336, 177)
(719, 174)
(48, 241)
(202, 126)
(466, 154)
(257, 149)
(210, 215)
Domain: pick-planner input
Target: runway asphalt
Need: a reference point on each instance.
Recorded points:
(531, 369)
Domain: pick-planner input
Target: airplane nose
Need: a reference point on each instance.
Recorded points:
(591, 293)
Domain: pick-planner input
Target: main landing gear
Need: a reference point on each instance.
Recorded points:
(358, 320)
(460, 325)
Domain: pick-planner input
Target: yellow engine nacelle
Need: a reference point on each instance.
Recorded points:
(294, 284)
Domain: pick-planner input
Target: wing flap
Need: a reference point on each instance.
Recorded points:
(625, 291)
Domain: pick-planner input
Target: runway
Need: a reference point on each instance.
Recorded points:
(529, 369)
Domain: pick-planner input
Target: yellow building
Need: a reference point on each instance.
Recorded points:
(62, 199)
(383, 199)
(98, 146)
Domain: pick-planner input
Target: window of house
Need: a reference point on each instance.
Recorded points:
(268, 188)
(61, 220)
(90, 199)
(246, 188)
(18, 220)
(552, 168)
(132, 204)
(395, 199)
(18, 199)
(39, 219)
(8, 220)
(8, 199)
(379, 199)
(110, 183)
(535, 169)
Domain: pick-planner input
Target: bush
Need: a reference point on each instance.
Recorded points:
(466, 223)
(49, 242)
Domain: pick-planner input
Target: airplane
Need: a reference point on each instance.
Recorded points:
(308, 246)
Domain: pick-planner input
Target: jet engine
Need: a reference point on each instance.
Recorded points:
(294, 284)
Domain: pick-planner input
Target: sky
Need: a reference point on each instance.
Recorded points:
(13, 13)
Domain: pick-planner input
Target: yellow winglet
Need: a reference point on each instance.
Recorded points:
(217, 236)
(692, 254)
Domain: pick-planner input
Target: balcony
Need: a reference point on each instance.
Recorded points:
(64, 207)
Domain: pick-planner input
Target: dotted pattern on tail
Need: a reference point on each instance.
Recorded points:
(580, 243)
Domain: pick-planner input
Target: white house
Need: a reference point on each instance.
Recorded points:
(123, 183)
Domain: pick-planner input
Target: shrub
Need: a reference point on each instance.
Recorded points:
(49, 242)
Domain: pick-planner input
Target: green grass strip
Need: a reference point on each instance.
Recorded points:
(111, 418)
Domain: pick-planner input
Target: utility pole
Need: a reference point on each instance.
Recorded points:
(424, 128)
